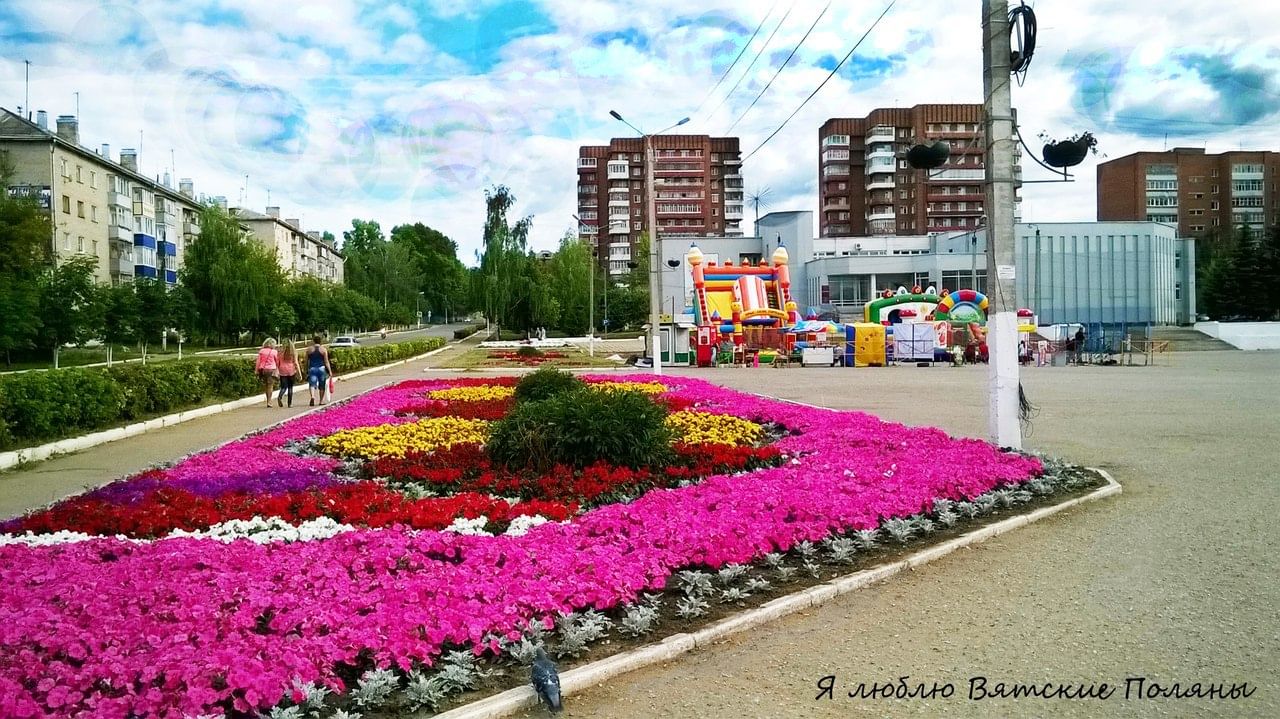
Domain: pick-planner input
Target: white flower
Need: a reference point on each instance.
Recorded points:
(522, 524)
(474, 527)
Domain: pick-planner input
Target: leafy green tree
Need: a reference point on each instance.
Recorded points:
(70, 312)
(25, 233)
(283, 320)
(233, 279)
(119, 312)
(505, 264)
(156, 310)
(571, 271)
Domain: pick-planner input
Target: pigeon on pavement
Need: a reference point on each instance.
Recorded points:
(546, 681)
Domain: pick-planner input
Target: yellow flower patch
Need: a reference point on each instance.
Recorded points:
(702, 427)
(645, 387)
(477, 393)
(397, 440)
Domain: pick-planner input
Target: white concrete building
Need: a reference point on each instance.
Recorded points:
(300, 253)
(1086, 272)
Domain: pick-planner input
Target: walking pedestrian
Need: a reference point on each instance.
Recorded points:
(1079, 344)
(287, 364)
(318, 370)
(268, 368)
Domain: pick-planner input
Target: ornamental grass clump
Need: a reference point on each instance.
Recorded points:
(581, 427)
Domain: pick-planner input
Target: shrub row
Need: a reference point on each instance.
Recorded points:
(37, 407)
(464, 332)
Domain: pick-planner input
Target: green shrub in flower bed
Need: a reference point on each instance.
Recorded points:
(544, 383)
(37, 407)
(580, 427)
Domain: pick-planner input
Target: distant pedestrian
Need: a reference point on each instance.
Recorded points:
(318, 370)
(268, 368)
(287, 364)
(1079, 338)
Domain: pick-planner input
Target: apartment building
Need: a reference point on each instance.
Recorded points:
(698, 192)
(133, 225)
(1191, 189)
(299, 253)
(866, 186)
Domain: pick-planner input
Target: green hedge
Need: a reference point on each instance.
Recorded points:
(464, 332)
(37, 407)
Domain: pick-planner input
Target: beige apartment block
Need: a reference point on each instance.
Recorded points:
(299, 253)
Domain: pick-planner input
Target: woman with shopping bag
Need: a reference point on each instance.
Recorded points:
(267, 369)
(319, 372)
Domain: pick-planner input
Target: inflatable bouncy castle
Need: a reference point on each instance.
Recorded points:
(729, 300)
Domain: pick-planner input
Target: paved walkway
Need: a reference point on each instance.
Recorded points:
(1175, 580)
(44, 482)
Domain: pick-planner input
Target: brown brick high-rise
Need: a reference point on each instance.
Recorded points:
(1191, 189)
(867, 188)
(699, 192)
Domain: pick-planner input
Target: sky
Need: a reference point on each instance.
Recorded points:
(407, 111)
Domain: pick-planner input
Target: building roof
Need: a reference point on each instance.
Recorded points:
(15, 128)
(246, 215)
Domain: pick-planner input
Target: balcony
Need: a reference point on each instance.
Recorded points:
(880, 181)
(835, 141)
(617, 171)
(880, 150)
(835, 171)
(586, 163)
(120, 234)
(731, 213)
(619, 201)
(588, 230)
(958, 174)
(835, 205)
(119, 199)
(835, 156)
(732, 160)
(619, 228)
(967, 197)
(733, 184)
(881, 213)
(880, 133)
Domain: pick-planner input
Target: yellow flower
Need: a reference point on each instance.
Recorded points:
(397, 440)
(645, 387)
(475, 393)
(706, 428)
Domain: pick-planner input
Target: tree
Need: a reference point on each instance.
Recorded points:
(505, 265)
(69, 310)
(571, 271)
(25, 233)
(155, 311)
(377, 268)
(119, 311)
(233, 279)
(283, 320)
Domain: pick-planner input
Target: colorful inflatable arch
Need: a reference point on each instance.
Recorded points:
(963, 306)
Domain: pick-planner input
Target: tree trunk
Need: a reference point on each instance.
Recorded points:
(108, 354)
(55, 356)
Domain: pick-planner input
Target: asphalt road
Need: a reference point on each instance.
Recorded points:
(445, 331)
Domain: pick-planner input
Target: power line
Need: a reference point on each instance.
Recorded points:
(754, 60)
(781, 68)
(825, 80)
(733, 64)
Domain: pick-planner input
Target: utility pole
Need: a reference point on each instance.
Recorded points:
(27, 96)
(1002, 323)
(655, 280)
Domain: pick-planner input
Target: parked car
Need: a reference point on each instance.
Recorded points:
(345, 341)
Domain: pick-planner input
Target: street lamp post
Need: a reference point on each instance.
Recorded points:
(655, 279)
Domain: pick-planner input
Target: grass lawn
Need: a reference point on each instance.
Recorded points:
(572, 357)
(81, 356)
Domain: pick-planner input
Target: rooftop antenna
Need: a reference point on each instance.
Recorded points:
(27, 101)
(173, 164)
(77, 104)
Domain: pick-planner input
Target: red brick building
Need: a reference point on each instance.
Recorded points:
(1191, 189)
(867, 188)
(699, 192)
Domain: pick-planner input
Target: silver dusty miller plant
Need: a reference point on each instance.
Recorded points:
(374, 688)
(841, 549)
(695, 583)
(691, 607)
(638, 620)
(902, 530)
(731, 573)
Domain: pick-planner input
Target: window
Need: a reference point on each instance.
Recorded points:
(635, 172)
(80, 177)
(715, 211)
(1196, 212)
(66, 205)
(80, 209)
(93, 213)
(1213, 189)
(902, 164)
(635, 198)
(1246, 169)
(66, 240)
(1213, 172)
(902, 194)
(1213, 205)
(80, 243)
(66, 170)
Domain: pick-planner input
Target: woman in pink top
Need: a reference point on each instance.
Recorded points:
(267, 367)
(287, 365)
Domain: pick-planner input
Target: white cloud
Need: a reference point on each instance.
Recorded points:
(339, 123)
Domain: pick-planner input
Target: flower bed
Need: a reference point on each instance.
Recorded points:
(401, 554)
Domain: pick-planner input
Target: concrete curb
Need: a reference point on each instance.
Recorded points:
(39, 453)
(576, 680)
